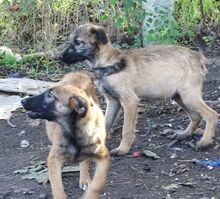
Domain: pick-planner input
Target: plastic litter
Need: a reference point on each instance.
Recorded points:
(207, 163)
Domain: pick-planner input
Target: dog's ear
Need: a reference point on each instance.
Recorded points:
(100, 35)
(78, 104)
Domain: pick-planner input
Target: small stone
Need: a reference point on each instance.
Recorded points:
(173, 156)
(43, 196)
(27, 191)
(21, 133)
(169, 125)
(173, 102)
(210, 167)
(24, 143)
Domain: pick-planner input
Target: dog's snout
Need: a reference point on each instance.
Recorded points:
(23, 101)
(60, 57)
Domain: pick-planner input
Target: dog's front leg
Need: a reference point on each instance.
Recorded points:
(85, 179)
(98, 182)
(112, 110)
(55, 162)
(130, 119)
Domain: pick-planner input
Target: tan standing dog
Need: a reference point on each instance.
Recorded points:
(75, 126)
(159, 72)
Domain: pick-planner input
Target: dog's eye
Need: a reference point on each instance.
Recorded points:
(78, 42)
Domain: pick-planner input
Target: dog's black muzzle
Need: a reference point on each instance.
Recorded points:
(41, 106)
(71, 56)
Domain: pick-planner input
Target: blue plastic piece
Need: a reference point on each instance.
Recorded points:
(213, 163)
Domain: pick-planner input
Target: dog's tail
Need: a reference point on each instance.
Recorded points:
(100, 72)
(203, 61)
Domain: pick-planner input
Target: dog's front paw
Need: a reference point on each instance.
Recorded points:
(203, 143)
(84, 183)
(119, 151)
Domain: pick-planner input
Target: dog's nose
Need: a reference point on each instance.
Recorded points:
(23, 101)
(60, 58)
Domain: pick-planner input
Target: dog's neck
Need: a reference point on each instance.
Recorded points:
(103, 56)
(68, 125)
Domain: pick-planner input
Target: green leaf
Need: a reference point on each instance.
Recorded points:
(104, 17)
(150, 154)
(29, 176)
(42, 178)
(21, 171)
(120, 21)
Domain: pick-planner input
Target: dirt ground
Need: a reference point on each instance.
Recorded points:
(170, 176)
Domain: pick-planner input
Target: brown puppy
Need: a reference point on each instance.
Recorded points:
(75, 126)
(155, 72)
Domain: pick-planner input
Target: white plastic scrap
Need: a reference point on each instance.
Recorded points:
(7, 105)
(25, 143)
(8, 51)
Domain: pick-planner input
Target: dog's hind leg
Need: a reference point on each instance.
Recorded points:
(85, 179)
(194, 117)
(194, 101)
(55, 162)
(130, 106)
(98, 181)
(112, 110)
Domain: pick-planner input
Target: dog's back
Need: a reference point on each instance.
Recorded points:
(176, 56)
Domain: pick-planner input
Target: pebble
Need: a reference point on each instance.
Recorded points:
(173, 156)
(24, 191)
(43, 196)
(24, 143)
(169, 125)
(21, 133)
(210, 167)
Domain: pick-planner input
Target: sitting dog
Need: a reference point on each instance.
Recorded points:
(76, 128)
(159, 72)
